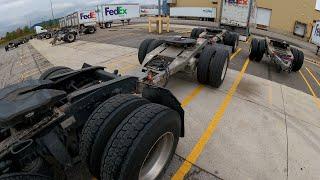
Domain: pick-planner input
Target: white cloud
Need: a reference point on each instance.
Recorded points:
(63, 5)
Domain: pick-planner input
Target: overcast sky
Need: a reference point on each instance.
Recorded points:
(18, 13)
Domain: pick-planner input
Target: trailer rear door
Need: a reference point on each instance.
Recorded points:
(87, 18)
(315, 37)
(236, 12)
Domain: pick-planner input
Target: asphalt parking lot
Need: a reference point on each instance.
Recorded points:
(258, 125)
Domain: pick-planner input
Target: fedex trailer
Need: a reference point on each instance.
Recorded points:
(235, 16)
(108, 13)
(85, 21)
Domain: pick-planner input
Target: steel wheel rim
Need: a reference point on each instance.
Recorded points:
(224, 70)
(157, 157)
(70, 37)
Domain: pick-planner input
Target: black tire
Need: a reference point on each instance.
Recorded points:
(194, 33)
(218, 67)
(298, 59)
(261, 50)
(108, 25)
(203, 65)
(24, 176)
(231, 39)
(200, 31)
(70, 38)
(134, 138)
(154, 44)
(91, 30)
(100, 126)
(54, 71)
(48, 36)
(143, 49)
(254, 49)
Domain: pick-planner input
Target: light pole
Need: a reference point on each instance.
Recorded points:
(51, 10)
(159, 7)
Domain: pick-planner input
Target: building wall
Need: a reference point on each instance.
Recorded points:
(284, 12)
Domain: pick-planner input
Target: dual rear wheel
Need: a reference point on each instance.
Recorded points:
(128, 137)
(257, 49)
(212, 66)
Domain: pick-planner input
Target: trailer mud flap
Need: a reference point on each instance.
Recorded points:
(164, 97)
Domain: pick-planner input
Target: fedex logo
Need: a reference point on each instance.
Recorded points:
(118, 11)
(90, 15)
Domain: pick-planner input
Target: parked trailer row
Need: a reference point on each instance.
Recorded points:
(84, 21)
(108, 13)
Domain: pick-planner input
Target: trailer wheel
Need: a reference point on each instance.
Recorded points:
(143, 49)
(100, 126)
(48, 36)
(194, 33)
(231, 39)
(54, 71)
(204, 63)
(298, 59)
(70, 37)
(218, 67)
(22, 176)
(91, 30)
(254, 48)
(154, 45)
(143, 144)
(200, 31)
(261, 50)
(108, 25)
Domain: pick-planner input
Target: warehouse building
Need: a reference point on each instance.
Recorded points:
(286, 16)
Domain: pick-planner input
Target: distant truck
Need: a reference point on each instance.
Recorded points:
(85, 21)
(235, 16)
(42, 33)
(108, 13)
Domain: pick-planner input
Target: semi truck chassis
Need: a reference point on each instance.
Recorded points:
(68, 35)
(119, 131)
(281, 53)
(205, 53)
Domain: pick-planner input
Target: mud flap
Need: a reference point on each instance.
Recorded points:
(164, 97)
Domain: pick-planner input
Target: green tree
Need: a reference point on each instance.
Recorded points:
(26, 30)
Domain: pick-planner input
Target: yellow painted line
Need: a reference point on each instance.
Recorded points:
(198, 148)
(235, 54)
(317, 63)
(191, 96)
(313, 76)
(315, 98)
(249, 40)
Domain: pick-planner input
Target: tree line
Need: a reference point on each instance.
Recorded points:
(26, 30)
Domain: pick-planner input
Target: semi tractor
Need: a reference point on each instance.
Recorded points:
(108, 13)
(85, 21)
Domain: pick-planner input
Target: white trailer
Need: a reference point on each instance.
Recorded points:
(235, 16)
(108, 13)
(315, 36)
(85, 21)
